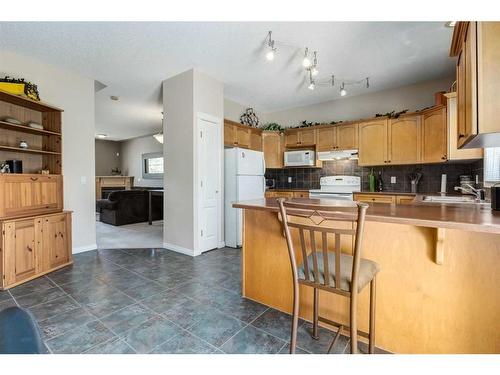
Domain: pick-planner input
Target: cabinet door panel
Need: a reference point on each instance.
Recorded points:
(243, 137)
(255, 140)
(292, 139)
(326, 140)
(373, 143)
(229, 135)
(55, 240)
(307, 137)
(347, 137)
(434, 136)
(404, 140)
(273, 150)
(470, 82)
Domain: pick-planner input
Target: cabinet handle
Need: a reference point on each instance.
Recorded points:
(461, 136)
(34, 178)
(443, 157)
(29, 249)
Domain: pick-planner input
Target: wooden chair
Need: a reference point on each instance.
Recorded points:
(322, 268)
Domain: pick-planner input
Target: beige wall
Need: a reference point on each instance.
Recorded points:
(107, 156)
(74, 94)
(184, 96)
(131, 159)
(233, 111)
(411, 97)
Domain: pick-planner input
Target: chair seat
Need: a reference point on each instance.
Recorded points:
(367, 270)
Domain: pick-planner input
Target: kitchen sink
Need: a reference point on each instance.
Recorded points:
(447, 199)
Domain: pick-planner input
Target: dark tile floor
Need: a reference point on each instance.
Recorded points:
(156, 301)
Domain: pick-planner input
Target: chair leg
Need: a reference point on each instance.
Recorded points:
(354, 322)
(295, 317)
(371, 344)
(315, 314)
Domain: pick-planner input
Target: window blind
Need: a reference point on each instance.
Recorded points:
(492, 164)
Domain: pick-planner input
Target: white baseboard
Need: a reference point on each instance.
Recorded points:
(179, 249)
(81, 249)
(222, 244)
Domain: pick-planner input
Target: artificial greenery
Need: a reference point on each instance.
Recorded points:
(272, 126)
(392, 114)
(30, 89)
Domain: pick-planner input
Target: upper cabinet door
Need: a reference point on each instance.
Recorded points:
(229, 134)
(292, 138)
(272, 145)
(307, 137)
(434, 136)
(243, 137)
(470, 85)
(404, 140)
(255, 140)
(326, 138)
(373, 142)
(347, 137)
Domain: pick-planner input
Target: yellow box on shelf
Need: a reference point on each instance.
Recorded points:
(12, 88)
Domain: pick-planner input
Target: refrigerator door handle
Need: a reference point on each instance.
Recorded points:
(264, 186)
(263, 164)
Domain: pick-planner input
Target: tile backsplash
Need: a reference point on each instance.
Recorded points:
(308, 178)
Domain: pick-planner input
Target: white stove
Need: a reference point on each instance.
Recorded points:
(337, 187)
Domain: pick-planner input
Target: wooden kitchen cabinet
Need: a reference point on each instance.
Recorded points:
(29, 194)
(239, 135)
(347, 137)
(434, 136)
(477, 47)
(34, 246)
(337, 137)
(373, 142)
(454, 153)
(279, 194)
(272, 145)
(404, 140)
(300, 137)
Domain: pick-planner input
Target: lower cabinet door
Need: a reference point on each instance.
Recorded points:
(56, 243)
(21, 242)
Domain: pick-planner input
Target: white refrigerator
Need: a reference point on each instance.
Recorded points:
(244, 179)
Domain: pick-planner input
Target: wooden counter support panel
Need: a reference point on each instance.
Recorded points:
(422, 307)
(440, 238)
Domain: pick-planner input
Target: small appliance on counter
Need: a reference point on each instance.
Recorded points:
(495, 197)
(270, 183)
(15, 165)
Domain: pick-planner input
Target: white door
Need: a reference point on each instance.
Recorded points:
(250, 162)
(209, 154)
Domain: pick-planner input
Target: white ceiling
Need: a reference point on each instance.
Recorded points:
(132, 59)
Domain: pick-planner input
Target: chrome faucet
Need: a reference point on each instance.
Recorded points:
(469, 189)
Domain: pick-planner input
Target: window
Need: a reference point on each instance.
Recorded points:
(152, 165)
(492, 165)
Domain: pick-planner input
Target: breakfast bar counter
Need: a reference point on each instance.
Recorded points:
(438, 288)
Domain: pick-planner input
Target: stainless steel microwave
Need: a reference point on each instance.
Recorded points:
(300, 158)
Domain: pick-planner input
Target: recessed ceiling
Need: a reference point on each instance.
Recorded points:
(131, 59)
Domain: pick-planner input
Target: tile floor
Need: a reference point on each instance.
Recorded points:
(156, 301)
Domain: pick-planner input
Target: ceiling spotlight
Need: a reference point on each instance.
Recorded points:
(101, 136)
(270, 44)
(314, 71)
(367, 82)
(343, 91)
(114, 97)
(306, 63)
(450, 24)
(311, 86)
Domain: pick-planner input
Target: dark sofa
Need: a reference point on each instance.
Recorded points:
(129, 207)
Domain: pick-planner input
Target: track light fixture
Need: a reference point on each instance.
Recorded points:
(343, 91)
(314, 70)
(271, 48)
(306, 63)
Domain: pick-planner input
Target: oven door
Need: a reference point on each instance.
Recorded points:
(336, 196)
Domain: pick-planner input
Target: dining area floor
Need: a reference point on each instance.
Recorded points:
(153, 300)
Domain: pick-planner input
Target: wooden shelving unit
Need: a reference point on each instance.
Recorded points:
(44, 145)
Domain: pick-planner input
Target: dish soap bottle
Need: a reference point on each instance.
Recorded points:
(371, 181)
(380, 183)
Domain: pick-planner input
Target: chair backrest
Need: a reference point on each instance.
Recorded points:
(314, 221)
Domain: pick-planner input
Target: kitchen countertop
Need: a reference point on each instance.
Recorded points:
(434, 215)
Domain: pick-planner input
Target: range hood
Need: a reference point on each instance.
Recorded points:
(338, 155)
